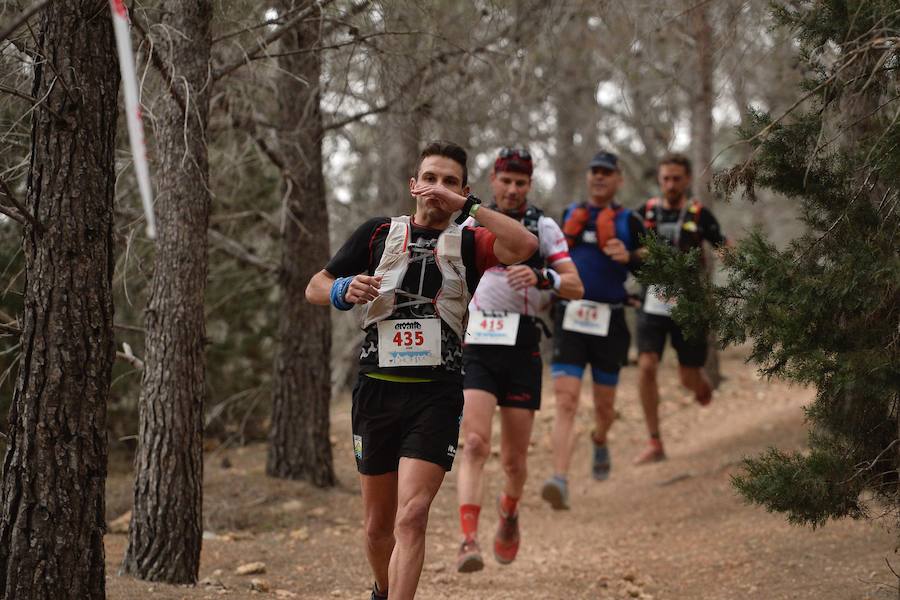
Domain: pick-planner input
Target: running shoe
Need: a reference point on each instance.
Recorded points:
(376, 593)
(601, 464)
(705, 399)
(469, 558)
(652, 453)
(506, 541)
(556, 491)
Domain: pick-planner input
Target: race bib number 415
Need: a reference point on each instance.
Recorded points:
(584, 316)
(492, 327)
(409, 343)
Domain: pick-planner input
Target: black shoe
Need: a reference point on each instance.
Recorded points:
(376, 593)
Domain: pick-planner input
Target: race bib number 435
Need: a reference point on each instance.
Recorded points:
(492, 327)
(584, 316)
(409, 343)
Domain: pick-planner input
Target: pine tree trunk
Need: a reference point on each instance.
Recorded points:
(299, 444)
(166, 526)
(54, 472)
(702, 125)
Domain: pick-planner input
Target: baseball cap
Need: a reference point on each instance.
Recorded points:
(605, 160)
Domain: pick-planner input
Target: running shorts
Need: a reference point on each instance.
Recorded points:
(511, 373)
(607, 353)
(393, 419)
(651, 337)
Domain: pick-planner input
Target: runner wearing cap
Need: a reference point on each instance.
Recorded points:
(603, 239)
(414, 276)
(683, 223)
(503, 360)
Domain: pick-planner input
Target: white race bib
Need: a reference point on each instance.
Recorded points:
(656, 304)
(492, 327)
(587, 317)
(409, 343)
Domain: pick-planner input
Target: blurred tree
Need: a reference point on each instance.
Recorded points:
(299, 441)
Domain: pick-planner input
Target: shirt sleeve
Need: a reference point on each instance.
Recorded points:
(637, 231)
(709, 228)
(554, 247)
(484, 249)
(355, 256)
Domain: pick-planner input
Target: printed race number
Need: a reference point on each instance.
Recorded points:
(584, 316)
(656, 304)
(409, 343)
(492, 327)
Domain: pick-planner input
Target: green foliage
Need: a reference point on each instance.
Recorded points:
(825, 310)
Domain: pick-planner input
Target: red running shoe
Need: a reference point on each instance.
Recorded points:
(506, 541)
(469, 558)
(652, 453)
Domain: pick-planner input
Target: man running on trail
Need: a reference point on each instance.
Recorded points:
(683, 223)
(603, 240)
(415, 276)
(503, 360)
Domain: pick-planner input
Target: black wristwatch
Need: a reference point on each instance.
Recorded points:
(466, 211)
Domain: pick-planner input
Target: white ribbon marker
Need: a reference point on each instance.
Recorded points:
(121, 27)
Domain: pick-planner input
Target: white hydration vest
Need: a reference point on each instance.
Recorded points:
(453, 297)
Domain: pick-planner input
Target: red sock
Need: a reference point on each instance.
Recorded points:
(468, 519)
(508, 505)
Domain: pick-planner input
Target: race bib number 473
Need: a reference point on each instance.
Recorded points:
(584, 316)
(492, 327)
(409, 343)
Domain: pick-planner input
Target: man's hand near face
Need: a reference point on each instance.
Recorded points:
(443, 198)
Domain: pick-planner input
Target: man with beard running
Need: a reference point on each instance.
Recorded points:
(414, 276)
(685, 224)
(503, 361)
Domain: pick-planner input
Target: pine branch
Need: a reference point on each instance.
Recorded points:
(225, 69)
(29, 12)
(238, 251)
(158, 62)
(20, 207)
(128, 356)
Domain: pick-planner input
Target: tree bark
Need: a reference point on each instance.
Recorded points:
(402, 128)
(54, 471)
(299, 444)
(702, 142)
(166, 526)
(575, 104)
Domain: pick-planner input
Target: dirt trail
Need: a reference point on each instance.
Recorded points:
(674, 530)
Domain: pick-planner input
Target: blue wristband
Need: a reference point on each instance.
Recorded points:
(338, 291)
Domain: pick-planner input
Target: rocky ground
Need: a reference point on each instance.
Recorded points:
(674, 530)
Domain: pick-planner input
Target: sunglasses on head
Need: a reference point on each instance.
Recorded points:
(515, 152)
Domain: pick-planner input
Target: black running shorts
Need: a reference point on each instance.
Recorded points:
(652, 331)
(511, 373)
(607, 353)
(415, 420)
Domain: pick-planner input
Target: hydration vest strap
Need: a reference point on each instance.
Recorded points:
(575, 223)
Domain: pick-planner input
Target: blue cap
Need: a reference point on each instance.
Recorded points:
(606, 160)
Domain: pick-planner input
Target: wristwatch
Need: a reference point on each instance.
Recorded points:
(473, 203)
